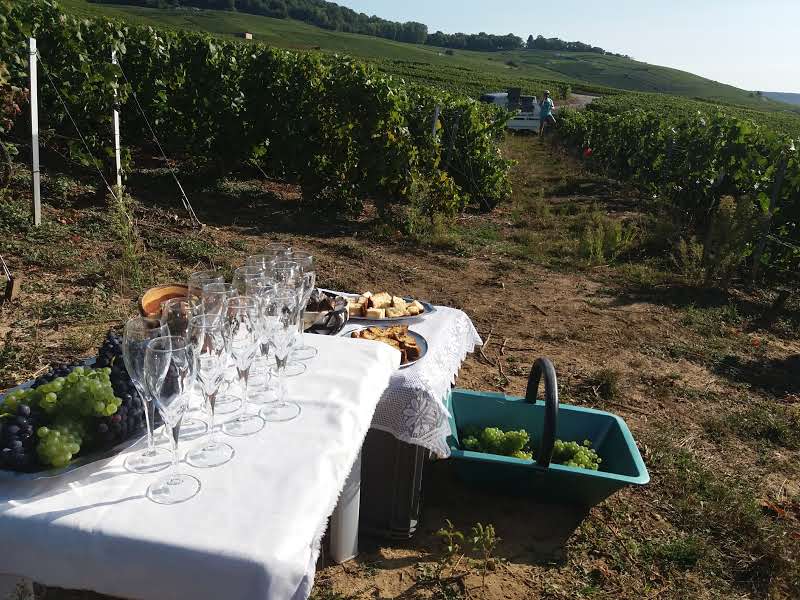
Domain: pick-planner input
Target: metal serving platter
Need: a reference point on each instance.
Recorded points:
(421, 342)
(429, 308)
(75, 464)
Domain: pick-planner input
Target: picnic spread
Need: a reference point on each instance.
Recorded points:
(206, 450)
(253, 490)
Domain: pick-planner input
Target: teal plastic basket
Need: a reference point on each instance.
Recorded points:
(545, 420)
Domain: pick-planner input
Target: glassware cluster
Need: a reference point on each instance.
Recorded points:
(245, 334)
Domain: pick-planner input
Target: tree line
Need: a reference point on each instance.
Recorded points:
(329, 15)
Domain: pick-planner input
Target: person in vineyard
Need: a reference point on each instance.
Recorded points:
(546, 117)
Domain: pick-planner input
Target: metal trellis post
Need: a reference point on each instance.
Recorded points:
(117, 152)
(37, 183)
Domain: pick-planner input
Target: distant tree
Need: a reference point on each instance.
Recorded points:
(329, 15)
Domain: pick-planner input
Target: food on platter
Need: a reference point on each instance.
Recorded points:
(319, 301)
(383, 305)
(397, 337)
(70, 411)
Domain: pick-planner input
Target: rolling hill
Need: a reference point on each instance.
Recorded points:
(786, 97)
(470, 71)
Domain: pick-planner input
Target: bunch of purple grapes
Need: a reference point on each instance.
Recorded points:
(18, 439)
(129, 418)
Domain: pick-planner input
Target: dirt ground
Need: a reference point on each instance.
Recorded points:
(707, 381)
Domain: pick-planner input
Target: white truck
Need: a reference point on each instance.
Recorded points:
(525, 108)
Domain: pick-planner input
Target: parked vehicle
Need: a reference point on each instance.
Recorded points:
(525, 108)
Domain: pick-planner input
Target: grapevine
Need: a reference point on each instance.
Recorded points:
(694, 155)
(338, 127)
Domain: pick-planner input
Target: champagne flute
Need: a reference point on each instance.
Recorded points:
(196, 282)
(305, 262)
(169, 374)
(242, 336)
(260, 261)
(208, 344)
(288, 274)
(242, 274)
(215, 302)
(279, 250)
(281, 314)
(259, 287)
(175, 314)
(137, 334)
(215, 298)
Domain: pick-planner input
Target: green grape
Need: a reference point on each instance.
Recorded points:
(88, 392)
(572, 454)
(491, 440)
(470, 443)
(514, 441)
(58, 444)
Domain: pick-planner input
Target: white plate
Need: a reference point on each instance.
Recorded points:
(421, 342)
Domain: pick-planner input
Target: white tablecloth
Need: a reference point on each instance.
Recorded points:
(412, 407)
(254, 530)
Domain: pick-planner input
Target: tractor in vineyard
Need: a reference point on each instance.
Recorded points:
(525, 108)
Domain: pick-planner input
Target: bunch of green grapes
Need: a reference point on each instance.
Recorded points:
(88, 392)
(573, 454)
(84, 392)
(68, 403)
(57, 445)
(493, 440)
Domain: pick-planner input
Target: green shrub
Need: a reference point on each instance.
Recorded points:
(604, 239)
(688, 258)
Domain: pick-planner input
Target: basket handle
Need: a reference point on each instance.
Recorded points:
(544, 367)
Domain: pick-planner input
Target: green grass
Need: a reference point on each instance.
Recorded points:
(473, 72)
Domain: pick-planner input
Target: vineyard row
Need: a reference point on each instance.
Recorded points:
(730, 180)
(340, 128)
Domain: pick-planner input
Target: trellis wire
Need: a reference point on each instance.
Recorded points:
(5, 267)
(186, 204)
(75, 125)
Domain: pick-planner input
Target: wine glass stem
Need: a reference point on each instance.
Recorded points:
(244, 376)
(173, 437)
(211, 399)
(281, 369)
(148, 405)
(150, 417)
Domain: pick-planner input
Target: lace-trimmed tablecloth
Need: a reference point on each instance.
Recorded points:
(412, 407)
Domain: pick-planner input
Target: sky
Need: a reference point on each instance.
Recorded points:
(752, 45)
